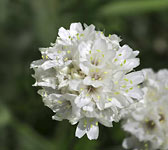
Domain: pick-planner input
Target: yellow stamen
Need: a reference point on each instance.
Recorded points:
(68, 51)
(131, 88)
(59, 102)
(85, 123)
(115, 59)
(123, 86)
(59, 51)
(126, 79)
(65, 47)
(78, 38)
(99, 60)
(116, 82)
(117, 93)
(66, 59)
(98, 50)
(97, 70)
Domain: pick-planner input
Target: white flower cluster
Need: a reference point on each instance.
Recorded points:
(148, 123)
(85, 78)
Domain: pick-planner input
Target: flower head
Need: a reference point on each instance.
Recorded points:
(85, 78)
(148, 122)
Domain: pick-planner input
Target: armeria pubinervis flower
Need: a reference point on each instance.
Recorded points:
(148, 123)
(85, 78)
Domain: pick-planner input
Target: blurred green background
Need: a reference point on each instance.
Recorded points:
(26, 25)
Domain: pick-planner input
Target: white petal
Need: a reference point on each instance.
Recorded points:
(130, 143)
(84, 49)
(68, 96)
(89, 81)
(162, 74)
(148, 73)
(93, 132)
(36, 63)
(114, 102)
(135, 78)
(49, 64)
(81, 101)
(88, 108)
(63, 33)
(100, 45)
(80, 130)
(114, 37)
(135, 53)
(131, 63)
(74, 84)
(136, 93)
(89, 30)
(84, 68)
(76, 28)
(105, 122)
(124, 52)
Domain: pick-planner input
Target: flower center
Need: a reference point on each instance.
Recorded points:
(91, 89)
(150, 124)
(162, 118)
(96, 76)
(95, 62)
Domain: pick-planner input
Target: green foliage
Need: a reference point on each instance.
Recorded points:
(135, 7)
(85, 144)
(4, 116)
(26, 25)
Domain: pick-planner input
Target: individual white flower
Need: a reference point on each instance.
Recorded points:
(148, 122)
(85, 78)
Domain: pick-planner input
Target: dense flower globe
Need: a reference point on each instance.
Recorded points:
(85, 78)
(148, 122)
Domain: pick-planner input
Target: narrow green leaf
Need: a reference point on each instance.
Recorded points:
(29, 139)
(4, 116)
(133, 7)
